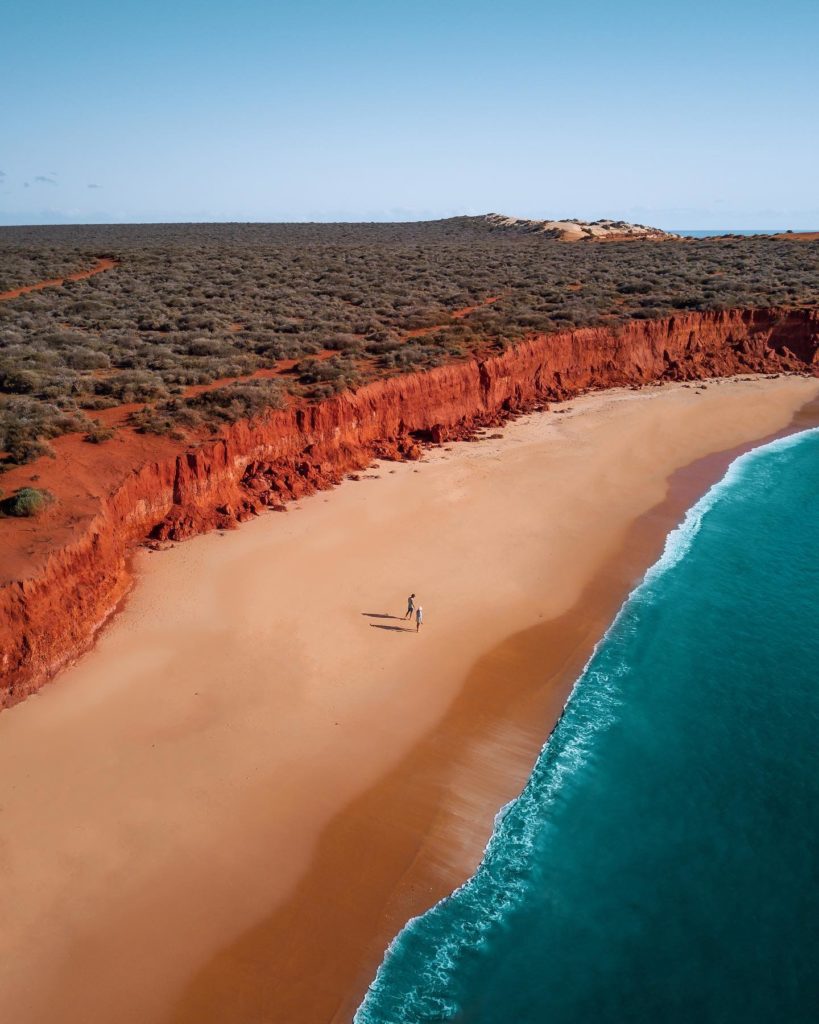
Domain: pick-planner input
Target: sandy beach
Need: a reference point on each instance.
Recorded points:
(225, 811)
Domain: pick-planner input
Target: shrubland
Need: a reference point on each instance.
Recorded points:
(330, 305)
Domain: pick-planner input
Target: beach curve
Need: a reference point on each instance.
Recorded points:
(232, 778)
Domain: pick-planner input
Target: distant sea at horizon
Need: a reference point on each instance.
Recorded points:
(661, 863)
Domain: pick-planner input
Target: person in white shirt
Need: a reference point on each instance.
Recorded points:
(419, 617)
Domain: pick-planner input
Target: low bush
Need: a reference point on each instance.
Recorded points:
(197, 304)
(210, 409)
(27, 501)
(99, 434)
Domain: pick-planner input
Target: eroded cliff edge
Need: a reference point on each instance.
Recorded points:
(47, 617)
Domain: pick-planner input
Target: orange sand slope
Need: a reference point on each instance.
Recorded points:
(249, 767)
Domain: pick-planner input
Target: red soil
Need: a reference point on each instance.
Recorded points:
(457, 314)
(55, 282)
(118, 415)
(268, 373)
(798, 236)
(64, 572)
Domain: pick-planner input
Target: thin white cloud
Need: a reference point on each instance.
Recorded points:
(44, 179)
(93, 186)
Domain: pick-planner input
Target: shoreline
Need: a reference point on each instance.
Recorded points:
(235, 813)
(587, 623)
(434, 948)
(64, 572)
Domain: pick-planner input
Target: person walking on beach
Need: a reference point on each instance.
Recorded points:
(419, 617)
(410, 606)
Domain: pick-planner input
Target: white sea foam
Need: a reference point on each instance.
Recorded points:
(499, 882)
(679, 541)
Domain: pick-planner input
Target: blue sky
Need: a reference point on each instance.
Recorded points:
(681, 114)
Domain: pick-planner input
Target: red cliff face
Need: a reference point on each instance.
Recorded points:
(51, 615)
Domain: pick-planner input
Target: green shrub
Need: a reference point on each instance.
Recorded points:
(210, 409)
(165, 320)
(99, 434)
(27, 501)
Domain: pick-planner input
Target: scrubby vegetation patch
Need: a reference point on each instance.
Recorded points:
(193, 305)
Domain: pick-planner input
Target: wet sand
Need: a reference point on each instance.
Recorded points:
(226, 810)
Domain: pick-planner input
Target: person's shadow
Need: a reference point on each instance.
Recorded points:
(384, 615)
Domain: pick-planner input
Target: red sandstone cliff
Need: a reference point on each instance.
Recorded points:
(51, 613)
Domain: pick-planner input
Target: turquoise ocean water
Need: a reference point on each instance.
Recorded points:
(662, 863)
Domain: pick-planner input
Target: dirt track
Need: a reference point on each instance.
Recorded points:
(55, 282)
